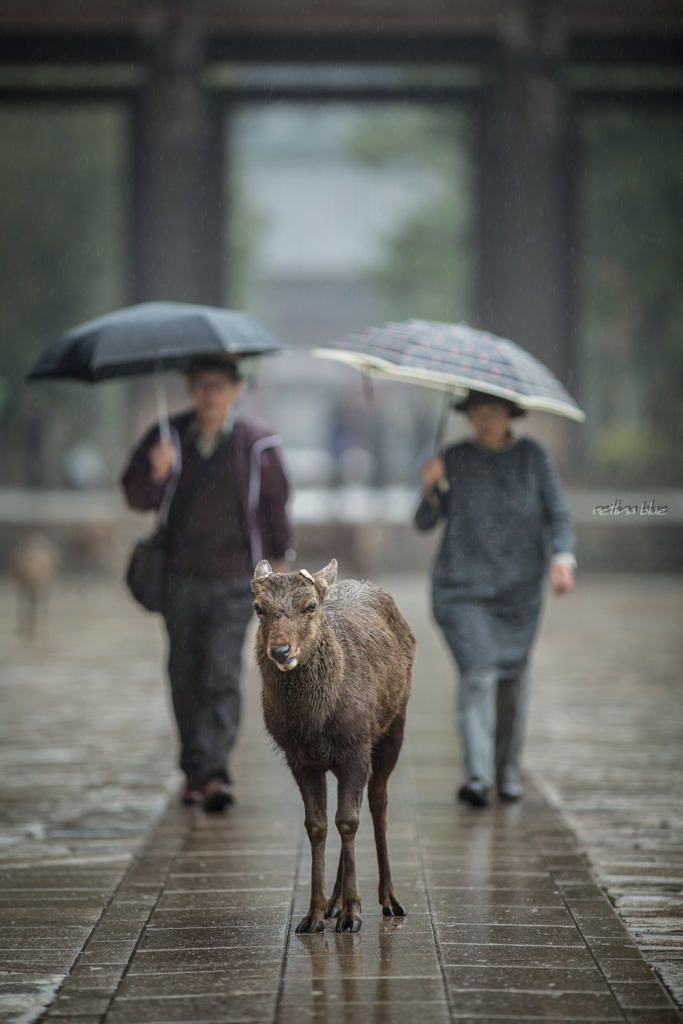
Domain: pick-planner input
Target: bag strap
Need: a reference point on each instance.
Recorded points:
(178, 513)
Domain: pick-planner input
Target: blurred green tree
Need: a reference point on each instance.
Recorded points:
(631, 292)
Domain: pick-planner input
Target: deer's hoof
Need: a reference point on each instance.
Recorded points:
(310, 924)
(349, 923)
(334, 909)
(394, 909)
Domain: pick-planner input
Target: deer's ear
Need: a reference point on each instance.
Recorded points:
(328, 575)
(262, 570)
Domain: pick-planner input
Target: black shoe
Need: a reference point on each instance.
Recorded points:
(218, 794)
(474, 793)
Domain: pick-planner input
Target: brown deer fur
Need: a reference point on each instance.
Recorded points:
(336, 664)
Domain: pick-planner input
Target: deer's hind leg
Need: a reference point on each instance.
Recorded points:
(334, 906)
(384, 757)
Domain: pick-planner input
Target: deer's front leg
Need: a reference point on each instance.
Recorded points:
(313, 787)
(350, 796)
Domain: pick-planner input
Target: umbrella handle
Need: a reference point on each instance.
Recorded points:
(443, 421)
(162, 409)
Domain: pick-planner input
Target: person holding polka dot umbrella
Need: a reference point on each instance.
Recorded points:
(507, 526)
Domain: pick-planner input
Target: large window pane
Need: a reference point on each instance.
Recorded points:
(64, 196)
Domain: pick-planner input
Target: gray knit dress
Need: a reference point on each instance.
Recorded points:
(506, 514)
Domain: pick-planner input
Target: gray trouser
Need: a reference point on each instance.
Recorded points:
(491, 713)
(206, 621)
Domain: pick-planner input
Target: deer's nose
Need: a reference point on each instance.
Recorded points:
(280, 653)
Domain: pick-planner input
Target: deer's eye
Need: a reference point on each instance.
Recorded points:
(311, 607)
(257, 608)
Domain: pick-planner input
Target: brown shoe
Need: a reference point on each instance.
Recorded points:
(218, 794)
(191, 794)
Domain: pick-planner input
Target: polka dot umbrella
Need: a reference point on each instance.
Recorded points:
(455, 358)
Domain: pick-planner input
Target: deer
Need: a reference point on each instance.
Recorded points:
(336, 665)
(34, 564)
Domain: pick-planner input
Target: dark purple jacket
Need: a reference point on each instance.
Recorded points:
(262, 486)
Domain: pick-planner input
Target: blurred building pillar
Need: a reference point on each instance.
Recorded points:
(524, 281)
(178, 215)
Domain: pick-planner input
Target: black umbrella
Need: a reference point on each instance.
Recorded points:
(151, 337)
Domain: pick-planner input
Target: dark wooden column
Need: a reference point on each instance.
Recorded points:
(524, 282)
(178, 223)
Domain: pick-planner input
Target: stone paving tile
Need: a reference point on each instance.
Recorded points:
(486, 915)
(465, 954)
(235, 1008)
(68, 1018)
(640, 995)
(212, 918)
(544, 1005)
(151, 962)
(510, 935)
(561, 979)
(254, 899)
(618, 969)
(366, 990)
(227, 981)
(169, 940)
(17, 962)
(657, 1016)
(83, 1002)
(452, 899)
(402, 964)
(350, 1012)
(229, 882)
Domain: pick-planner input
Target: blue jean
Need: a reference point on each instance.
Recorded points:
(491, 714)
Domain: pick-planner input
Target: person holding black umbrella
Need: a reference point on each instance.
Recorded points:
(220, 484)
(506, 519)
(220, 488)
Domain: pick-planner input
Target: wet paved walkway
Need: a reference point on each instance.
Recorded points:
(506, 920)
(607, 743)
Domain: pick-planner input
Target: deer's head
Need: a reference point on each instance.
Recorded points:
(288, 607)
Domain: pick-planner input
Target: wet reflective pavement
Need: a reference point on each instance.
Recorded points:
(191, 918)
(86, 767)
(607, 745)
